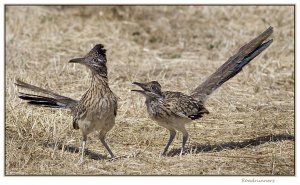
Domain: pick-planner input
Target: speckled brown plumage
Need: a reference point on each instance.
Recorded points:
(173, 110)
(97, 108)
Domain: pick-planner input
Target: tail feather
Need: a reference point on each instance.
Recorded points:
(233, 65)
(22, 84)
(50, 99)
(44, 104)
(42, 101)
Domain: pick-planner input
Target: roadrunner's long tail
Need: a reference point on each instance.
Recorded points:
(52, 99)
(233, 65)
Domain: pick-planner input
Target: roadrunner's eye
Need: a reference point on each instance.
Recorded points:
(154, 88)
(97, 60)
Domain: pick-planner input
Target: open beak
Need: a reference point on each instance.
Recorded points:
(77, 60)
(141, 85)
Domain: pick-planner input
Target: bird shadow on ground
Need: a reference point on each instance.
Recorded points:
(202, 148)
(74, 149)
(87, 153)
(194, 148)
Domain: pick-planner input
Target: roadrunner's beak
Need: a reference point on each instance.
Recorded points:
(77, 60)
(141, 85)
(145, 91)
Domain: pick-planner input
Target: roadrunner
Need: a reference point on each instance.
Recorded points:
(97, 108)
(173, 110)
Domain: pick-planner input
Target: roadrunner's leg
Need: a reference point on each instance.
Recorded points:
(83, 148)
(102, 139)
(172, 136)
(184, 140)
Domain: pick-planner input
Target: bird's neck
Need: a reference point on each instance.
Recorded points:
(99, 82)
(158, 99)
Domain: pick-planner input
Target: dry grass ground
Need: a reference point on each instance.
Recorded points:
(251, 117)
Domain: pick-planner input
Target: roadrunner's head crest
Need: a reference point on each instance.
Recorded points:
(95, 60)
(98, 52)
(150, 89)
